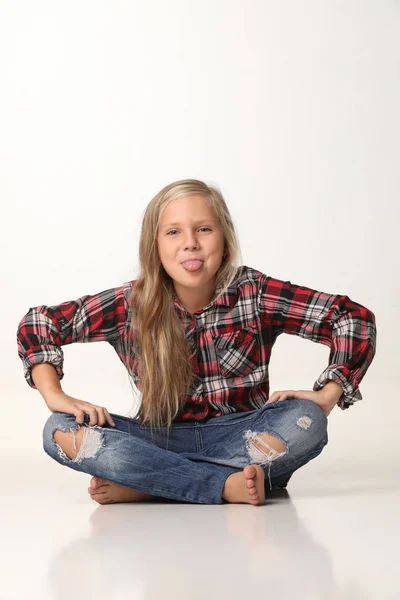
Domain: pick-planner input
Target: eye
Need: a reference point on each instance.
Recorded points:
(172, 230)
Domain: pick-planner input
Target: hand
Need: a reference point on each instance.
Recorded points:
(325, 401)
(60, 401)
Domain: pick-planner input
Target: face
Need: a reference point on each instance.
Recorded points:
(189, 228)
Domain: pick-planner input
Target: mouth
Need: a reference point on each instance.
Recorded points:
(192, 265)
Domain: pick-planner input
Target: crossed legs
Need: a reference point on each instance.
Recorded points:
(246, 486)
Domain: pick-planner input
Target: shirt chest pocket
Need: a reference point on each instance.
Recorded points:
(238, 352)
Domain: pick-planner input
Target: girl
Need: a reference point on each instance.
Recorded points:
(195, 332)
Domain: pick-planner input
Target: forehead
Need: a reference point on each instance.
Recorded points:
(188, 209)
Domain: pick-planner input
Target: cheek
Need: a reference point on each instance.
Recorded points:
(163, 248)
(219, 247)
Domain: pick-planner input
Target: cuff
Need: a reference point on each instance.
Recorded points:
(340, 375)
(47, 354)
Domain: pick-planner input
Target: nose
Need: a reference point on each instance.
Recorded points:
(190, 241)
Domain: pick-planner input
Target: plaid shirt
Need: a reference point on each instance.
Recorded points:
(230, 339)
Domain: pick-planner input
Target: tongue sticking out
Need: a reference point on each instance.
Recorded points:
(192, 265)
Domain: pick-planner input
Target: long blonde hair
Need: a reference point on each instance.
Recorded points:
(157, 345)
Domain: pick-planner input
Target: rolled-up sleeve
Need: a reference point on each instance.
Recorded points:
(91, 318)
(348, 328)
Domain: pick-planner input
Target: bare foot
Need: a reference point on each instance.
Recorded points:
(108, 492)
(247, 486)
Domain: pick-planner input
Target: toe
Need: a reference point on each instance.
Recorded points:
(97, 482)
(101, 489)
(249, 471)
(100, 499)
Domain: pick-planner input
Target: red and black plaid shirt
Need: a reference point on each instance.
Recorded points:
(231, 338)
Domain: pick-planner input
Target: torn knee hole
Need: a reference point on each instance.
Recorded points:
(77, 444)
(263, 447)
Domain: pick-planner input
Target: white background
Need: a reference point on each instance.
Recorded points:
(292, 109)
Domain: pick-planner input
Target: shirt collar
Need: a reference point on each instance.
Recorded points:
(229, 298)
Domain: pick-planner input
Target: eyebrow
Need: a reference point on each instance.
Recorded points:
(206, 219)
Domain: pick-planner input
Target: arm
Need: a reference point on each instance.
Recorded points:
(90, 318)
(333, 391)
(45, 378)
(348, 328)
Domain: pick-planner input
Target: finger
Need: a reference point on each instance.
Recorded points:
(273, 398)
(109, 418)
(103, 415)
(92, 412)
(79, 416)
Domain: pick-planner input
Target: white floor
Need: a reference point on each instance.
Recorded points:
(330, 535)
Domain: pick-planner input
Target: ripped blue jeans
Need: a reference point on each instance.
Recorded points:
(192, 462)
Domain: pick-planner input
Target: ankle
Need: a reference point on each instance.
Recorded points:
(229, 486)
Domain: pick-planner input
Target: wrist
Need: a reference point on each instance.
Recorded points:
(52, 392)
(332, 391)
